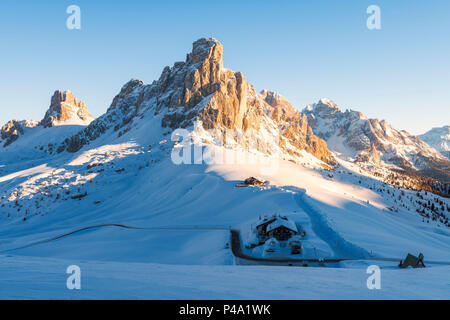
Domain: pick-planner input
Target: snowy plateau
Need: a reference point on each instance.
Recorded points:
(107, 196)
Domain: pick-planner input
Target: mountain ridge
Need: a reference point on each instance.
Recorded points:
(356, 137)
(438, 138)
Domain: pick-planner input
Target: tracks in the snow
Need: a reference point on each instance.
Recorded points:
(117, 225)
(321, 227)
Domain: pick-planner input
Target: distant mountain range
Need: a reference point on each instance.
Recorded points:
(438, 138)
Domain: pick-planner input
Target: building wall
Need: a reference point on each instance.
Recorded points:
(281, 234)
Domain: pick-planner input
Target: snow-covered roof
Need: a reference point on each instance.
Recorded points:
(289, 224)
(265, 220)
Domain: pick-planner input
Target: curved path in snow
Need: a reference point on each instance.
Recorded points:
(118, 225)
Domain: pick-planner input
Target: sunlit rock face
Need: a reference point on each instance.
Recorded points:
(375, 141)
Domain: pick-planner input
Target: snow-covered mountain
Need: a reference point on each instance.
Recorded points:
(29, 138)
(438, 138)
(354, 136)
(65, 109)
(120, 170)
(219, 103)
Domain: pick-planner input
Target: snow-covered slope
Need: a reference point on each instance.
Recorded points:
(438, 138)
(124, 169)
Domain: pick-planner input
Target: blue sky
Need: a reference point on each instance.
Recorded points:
(305, 50)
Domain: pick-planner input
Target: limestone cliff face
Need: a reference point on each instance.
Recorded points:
(65, 107)
(369, 156)
(201, 90)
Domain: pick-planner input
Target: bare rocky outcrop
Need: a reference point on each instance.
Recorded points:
(65, 107)
(11, 131)
(200, 88)
(295, 126)
(282, 108)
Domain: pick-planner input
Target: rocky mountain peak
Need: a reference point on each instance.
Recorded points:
(199, 91)
(64, 107)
